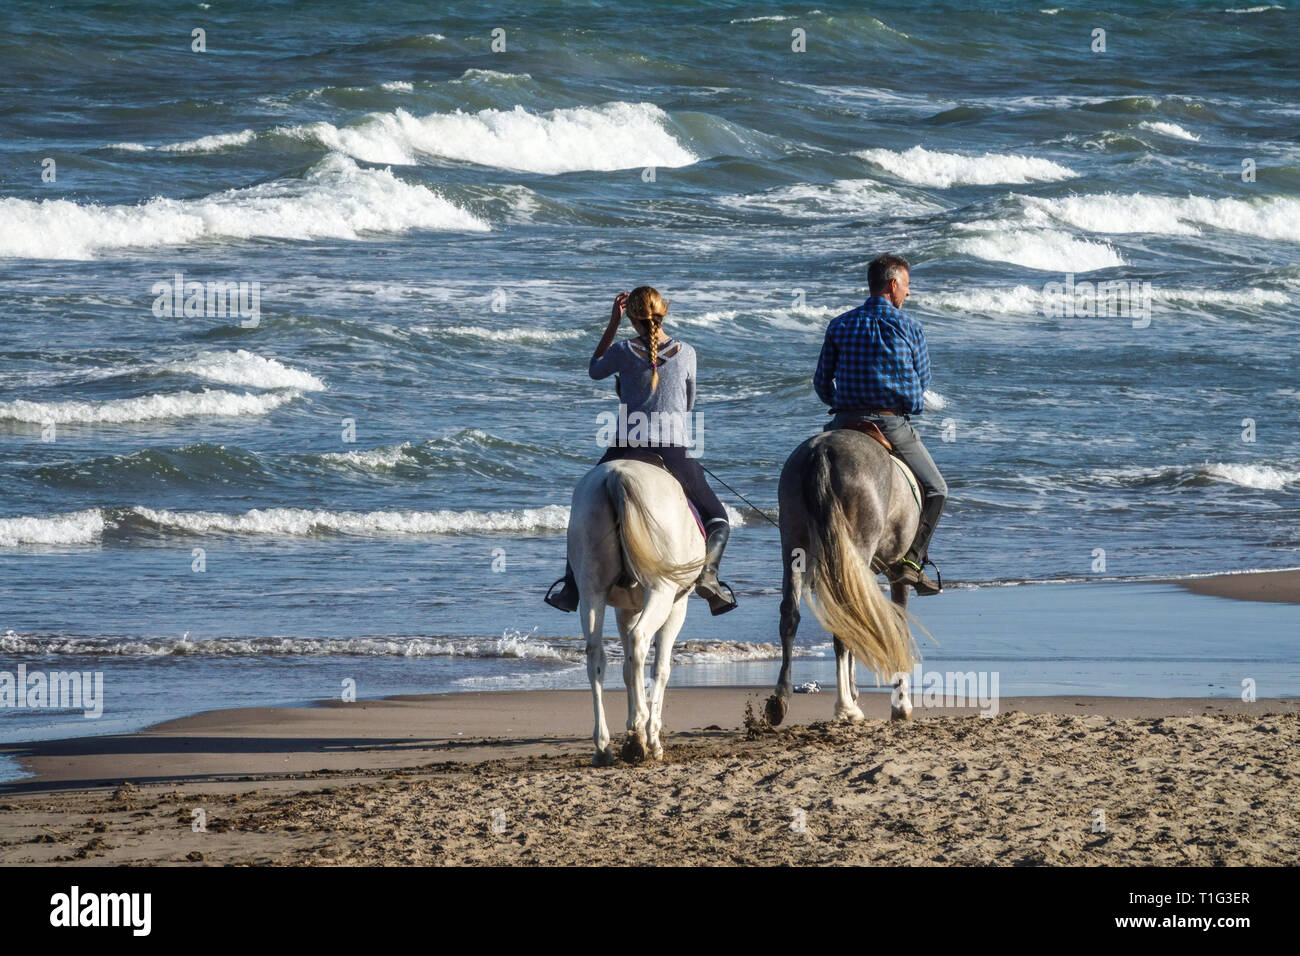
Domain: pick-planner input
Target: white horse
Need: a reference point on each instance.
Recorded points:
(634, 546)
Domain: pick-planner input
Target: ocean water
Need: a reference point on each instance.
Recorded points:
(367, 476)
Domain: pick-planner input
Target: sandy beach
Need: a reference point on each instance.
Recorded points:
(504, 778)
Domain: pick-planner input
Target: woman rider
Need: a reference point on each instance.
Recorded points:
(656, 374)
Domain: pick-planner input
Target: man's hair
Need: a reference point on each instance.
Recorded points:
(883, 269)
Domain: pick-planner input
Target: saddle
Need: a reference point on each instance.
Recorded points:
(868, 427)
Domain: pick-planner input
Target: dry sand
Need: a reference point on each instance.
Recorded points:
(1275, 586)
(504, 778)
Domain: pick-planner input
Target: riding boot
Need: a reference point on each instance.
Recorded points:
(707, 586)
(910, 567)
(567, 598)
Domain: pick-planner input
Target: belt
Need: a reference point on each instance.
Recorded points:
(868, 413)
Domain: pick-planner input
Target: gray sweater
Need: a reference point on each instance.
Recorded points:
(676, 392)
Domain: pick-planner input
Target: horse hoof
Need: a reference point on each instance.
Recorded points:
(850, 716)
(633, 749)
(900, 713)
(776, 710)
(603, 758)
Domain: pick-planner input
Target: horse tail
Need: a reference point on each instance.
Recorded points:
(843, 591)
(643, 538)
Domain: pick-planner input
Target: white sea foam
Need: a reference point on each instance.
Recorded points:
(1020, 300)
(934, 402)
(239, 367)
(505, 335)
(1263, 477)
(1235, 298)
(1272, 217)
(843, 197)
(212, 143)
(809, 318)
(1271, 6)
(77, 527)
(612, 136)
(382, 458)
(513, 644)
(476, 74)
(932, 168)
(1023, 300)
(300, 522)
(145, 408)
(773, 18)
(88, 526)
(1042, 249)
(728, 652)
(336, 199)
(242, 367)
(1169, 129)
(1253, 476)
(397, 86)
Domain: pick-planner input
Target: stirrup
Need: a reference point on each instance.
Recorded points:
(894, 573)
(938, 575)
(720, 603)
(554, 601)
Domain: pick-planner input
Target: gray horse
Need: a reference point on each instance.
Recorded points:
(848, 509)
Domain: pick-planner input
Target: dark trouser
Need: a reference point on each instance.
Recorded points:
(685, 469)
(907, 446)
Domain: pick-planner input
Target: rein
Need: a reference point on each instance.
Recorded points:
(740, 496)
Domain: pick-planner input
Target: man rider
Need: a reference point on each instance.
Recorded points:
(874, 365)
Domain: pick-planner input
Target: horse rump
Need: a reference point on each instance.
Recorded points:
(843, 591)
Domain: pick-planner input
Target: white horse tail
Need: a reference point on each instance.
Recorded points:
(644, 540)
(844, 593)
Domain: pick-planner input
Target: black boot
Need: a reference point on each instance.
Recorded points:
(567, 598)
(909, 570)
(716, 592)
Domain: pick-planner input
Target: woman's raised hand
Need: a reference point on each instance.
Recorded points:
(620, 304)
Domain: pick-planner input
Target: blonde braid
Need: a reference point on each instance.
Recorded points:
(646, 305)
(655, 322)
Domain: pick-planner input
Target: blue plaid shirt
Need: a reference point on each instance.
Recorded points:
(874, 357)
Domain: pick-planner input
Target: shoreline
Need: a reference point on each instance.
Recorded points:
(404, 731)
(1275, 587)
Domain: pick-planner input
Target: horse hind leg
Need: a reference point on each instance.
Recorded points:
(846, 685)
(900, 698)
(664, 639)
(637, 632)
(778, 704)
(591, 609)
